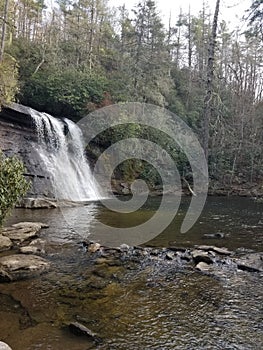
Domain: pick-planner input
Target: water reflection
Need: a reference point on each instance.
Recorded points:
(239, 219)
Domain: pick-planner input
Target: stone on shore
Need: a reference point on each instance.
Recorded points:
(19, 266)
(217, 235)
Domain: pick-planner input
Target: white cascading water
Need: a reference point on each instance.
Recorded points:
(63, 158)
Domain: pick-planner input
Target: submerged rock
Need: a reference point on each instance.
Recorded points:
(5, 243)
(4, 346)
(214, 235)
(79, 329)
(37, 246)
(19, 266)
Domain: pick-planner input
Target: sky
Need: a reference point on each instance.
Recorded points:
(231, 10)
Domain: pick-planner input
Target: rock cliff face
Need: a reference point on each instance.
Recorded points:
(18, 137)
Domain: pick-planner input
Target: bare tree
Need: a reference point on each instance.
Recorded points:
(209, 81)
(4, 26)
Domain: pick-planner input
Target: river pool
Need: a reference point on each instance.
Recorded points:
(138, 307)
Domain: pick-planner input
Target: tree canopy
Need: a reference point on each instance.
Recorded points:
(81, 55)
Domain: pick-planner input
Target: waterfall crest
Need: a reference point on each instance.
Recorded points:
(61, 150)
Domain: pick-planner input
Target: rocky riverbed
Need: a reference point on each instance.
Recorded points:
(97, 277)
(22, 238)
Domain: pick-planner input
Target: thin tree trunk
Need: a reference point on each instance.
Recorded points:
(209, 82)
(178, 46)
(91, 37)
(190, 48)
(190, 52)
(2, 48)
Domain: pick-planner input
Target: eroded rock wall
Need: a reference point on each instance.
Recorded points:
(18, 137)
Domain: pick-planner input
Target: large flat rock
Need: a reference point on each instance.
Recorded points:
(24, 224)
(22, 231)
(19, 266)
(38, 203)
(220, 251)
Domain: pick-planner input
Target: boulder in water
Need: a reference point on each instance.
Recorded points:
(202, 266)
(211, 248)
(93, 247)
(216, 235)
(22, 231)
(19, 266)
(201, 256)
(37, 246)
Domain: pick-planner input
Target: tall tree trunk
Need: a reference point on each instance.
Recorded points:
(190, 47)
(4, 26)
(91, 34)
(209, 82)
(178, 44)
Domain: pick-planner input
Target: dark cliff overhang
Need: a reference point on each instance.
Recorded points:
(18, 115)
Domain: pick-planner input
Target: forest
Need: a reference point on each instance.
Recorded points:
(77, 56)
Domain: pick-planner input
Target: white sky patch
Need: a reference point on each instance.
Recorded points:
(231, 11)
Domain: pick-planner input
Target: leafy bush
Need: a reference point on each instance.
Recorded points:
(64, 93)
(13, 185)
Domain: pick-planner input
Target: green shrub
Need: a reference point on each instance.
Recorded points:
(13, 185)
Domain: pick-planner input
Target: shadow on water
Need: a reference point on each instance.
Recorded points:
(138, 307)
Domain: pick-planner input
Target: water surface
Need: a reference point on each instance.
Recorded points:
(150, 306)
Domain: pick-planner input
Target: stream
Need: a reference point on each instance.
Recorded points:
(138, 306)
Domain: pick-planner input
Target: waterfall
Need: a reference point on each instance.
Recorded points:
(61, 150)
